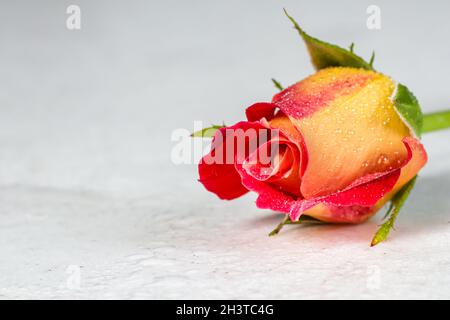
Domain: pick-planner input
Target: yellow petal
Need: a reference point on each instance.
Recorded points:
(357, 133)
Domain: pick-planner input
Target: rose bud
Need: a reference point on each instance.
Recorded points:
(335, 147)
(343, 149)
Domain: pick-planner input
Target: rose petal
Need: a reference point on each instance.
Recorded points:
(336, 214)
(282, 172)
(352, 131)
(222, 178)
(319, 90)
(367, 195)
(418, 160)
(260, 110)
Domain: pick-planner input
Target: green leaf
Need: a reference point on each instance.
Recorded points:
(277, 84)
(408, 107)
(207, 132)
(324, 55)
(397, 203)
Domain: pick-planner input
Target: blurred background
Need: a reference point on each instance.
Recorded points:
(89, 113)
(94, 108)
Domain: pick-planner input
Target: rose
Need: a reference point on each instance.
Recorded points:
(336, 146)
(343, 149)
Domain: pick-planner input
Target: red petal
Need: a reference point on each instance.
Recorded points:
(354, 204)
(366, 195)
(317, 91)
(283, 169)
(222, 178)
(260, 110)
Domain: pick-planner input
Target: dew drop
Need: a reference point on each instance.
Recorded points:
(383, 159)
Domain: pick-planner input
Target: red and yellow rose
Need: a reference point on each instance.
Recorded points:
(344, 150)
(346, 141)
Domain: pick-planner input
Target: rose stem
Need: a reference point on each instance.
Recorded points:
(436, 121)
(275, 231)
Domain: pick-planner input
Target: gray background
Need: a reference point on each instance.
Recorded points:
(85, 174)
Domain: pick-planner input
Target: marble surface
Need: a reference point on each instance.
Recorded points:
(91, 205)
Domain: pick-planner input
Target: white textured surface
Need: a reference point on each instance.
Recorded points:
(85, 177)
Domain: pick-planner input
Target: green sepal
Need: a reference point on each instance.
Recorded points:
(287, 220)
(325, 55)
(397, 203)
(207, 132)
(351, 47)
(407, 105)
(277, 84)
(372, 59)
